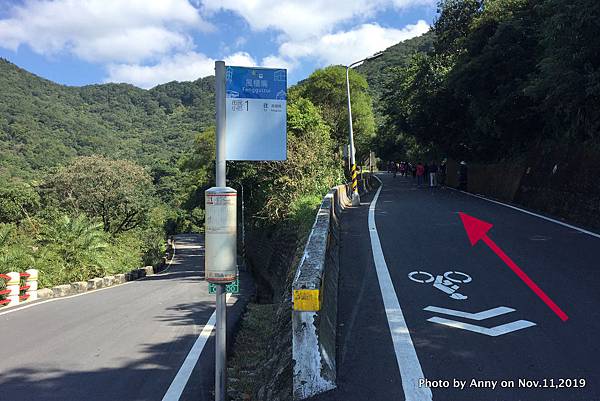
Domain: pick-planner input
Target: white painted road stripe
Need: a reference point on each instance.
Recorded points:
(185, 371)
(530, 213)
(406, 355)
(486, 314)
(492, 331)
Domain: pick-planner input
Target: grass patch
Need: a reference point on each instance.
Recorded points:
(250, 350)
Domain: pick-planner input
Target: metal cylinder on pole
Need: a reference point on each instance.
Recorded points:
(221, 305)
(355, 195)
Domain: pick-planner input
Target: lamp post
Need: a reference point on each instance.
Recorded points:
(355, 195)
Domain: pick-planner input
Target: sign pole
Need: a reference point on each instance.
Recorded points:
(245, 99)
(221, 305)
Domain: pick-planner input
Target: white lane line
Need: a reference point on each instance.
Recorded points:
(530, 213)
(406, 355)
(486, 314)
(492, 331)
(185, 371)
(19, 307)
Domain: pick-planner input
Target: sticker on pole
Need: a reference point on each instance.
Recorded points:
(230, 288)
(255, 113)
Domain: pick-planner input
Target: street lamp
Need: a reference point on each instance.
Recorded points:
(355, 195)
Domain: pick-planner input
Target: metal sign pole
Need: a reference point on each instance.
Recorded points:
(221, 306)
(249, 97)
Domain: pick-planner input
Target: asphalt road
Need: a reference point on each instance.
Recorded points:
(420, 230)
(121, 343)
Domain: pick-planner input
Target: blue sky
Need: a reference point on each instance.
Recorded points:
(148, 42)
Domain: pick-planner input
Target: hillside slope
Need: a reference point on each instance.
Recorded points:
(379, 70)
(43, 124)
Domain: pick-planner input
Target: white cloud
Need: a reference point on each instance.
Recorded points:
(273, 61)
(181, 67)
(240, 59)
(185, 67)
(302, 19)
(102, 30)
(347, 46)
(148, 42)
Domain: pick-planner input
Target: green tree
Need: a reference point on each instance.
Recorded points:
(15, 250)
(18, 200)
(118, 192)
(453, 25)
(566, 84)
(326, 89)
(73, 249)
(468, 98)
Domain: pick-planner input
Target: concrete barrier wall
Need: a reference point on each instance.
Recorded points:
(315, 297)
(560, 181)
(32, 292)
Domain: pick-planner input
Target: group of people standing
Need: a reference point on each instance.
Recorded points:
(421, 173)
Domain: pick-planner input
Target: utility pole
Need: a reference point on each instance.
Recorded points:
(352, 156)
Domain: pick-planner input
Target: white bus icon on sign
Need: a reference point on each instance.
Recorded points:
(279, 75)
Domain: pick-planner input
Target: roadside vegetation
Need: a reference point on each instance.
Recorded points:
(90, 218)
(94, 178)
(502, 77)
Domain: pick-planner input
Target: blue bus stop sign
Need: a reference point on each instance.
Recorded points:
(256, 113)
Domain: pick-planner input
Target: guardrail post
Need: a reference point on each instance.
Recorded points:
(13, 285)
(24, 287)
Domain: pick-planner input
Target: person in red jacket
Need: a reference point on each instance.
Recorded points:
(420, 173)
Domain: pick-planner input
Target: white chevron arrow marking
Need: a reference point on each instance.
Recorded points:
(486, 314)
(492, 331)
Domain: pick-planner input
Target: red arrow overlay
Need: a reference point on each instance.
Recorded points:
(477, 230)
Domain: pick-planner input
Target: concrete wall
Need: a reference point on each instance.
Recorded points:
(500, 180)
(571, 190)
(562, 181)
(274, 257)
(315, 299)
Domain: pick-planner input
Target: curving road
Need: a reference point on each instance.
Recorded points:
(121, 343)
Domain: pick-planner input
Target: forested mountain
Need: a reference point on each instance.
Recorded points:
(380, 70)
(43, 124)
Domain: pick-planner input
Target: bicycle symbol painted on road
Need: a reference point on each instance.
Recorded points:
(446, 283)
